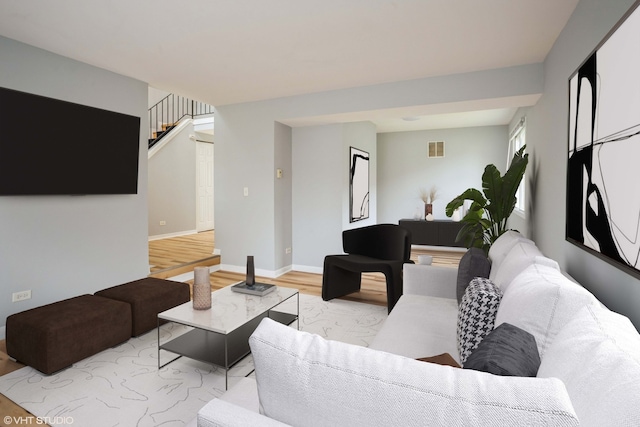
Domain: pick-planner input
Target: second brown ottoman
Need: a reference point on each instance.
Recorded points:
(148, 297)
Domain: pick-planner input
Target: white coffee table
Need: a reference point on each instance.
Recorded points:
(220, 334)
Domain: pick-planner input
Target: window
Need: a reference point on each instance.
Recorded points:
(517, 140)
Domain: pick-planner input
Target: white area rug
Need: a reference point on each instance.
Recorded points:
(122, 386)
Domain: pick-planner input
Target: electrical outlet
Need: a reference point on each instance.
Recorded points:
(287, 251)
(163, 222)
(246, 191)
(21, 296)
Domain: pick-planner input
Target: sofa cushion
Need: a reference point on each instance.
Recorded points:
(305, 380)
(541, 301)
(597, 356)
(507, 350)
(429, 280)
(476, 315)
(474, 263)
(521, 256)
(219, 412)
(413, 331)
(503, 244)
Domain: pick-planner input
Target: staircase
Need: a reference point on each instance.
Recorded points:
(167, 113)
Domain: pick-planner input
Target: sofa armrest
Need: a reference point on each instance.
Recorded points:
(353, 385)
(221, 413)
(430, 280)
(244, 393)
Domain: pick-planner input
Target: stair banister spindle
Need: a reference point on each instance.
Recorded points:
(166, 113)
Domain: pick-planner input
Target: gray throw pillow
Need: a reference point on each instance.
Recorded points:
(507, 350)
(476, 315)
(474, 263)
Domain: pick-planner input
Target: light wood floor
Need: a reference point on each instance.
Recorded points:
(168, 253)
(174, 251)
(373, 285)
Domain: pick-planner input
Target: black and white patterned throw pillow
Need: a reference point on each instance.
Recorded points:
(476, 314)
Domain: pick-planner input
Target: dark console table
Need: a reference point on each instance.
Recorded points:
(433, 233)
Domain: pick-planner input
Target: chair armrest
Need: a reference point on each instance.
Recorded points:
(221, 413)
(430, 280)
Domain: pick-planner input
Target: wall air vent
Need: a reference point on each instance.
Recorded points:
(436, 149)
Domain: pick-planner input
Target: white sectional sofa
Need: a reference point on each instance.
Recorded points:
(588, 374)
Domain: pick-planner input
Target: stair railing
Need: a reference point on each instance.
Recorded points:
(168, 112)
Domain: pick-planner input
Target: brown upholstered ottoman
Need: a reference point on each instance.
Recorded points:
(54, 336)
(148, 297)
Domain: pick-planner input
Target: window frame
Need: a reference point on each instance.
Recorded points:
(517, 139)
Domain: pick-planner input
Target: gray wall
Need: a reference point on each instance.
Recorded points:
(318, 175)
(283, 196)
(246, 154)
(404, 168)
(321, 189)
(63, 246)
(245, 157)
(547, 137)
(172, 186)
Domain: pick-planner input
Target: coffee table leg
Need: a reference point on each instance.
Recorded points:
(298, 313)
(160, 366)
(226, 363)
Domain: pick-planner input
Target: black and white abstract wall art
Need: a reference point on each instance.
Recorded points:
(603, 170)
(358, 184)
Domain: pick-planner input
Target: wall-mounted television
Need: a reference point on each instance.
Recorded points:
(54, 147)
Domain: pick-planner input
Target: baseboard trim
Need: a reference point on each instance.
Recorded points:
(243, 269)
(307, 269)
(185, 277)
(283, 270)
(439, 248)
(176, 234)
(270, 274)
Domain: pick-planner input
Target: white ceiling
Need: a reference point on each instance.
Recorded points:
(231, 51)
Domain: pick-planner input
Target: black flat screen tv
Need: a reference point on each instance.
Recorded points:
(54, 147)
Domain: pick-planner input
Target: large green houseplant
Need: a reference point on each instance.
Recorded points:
(487, 217)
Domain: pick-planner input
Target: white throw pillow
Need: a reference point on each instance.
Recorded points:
(305, 380)
(520, 256)
(541, 301)
(597, 356)
(503, 244)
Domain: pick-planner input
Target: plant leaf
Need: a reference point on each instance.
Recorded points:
(469, 194)
(512, 179)
(492, 188)
(487, 216)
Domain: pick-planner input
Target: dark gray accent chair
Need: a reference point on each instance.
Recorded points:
(382, 248)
